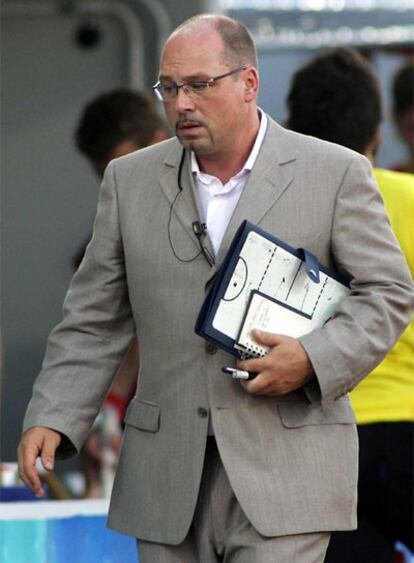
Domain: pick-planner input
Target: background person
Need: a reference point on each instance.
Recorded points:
(210, 469)
(113, 124)
(403, 112)
(116, 123)
(336, 96)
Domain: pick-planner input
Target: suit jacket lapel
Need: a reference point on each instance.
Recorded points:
(184, 205)
(271, 175)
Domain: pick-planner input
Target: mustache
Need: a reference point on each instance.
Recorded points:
(185, 120)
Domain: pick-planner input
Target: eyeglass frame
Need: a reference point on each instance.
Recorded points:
(207, 83)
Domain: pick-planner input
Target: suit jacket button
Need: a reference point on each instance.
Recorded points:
(202, 412)
(210, 348)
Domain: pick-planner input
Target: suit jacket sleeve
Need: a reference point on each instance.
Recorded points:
(85, 350)
(380, 305)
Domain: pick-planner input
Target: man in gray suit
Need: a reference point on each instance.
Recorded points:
(212, 470)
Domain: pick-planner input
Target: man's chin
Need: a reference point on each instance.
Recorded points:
(193, 144)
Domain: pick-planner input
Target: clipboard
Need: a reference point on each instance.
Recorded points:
(258, 261)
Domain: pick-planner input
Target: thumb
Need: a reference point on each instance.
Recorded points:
(266, 338)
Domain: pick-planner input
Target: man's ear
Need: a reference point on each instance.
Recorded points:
(251, 81)
(159, 135)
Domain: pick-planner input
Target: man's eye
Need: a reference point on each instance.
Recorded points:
(168, 88)
(197, 86)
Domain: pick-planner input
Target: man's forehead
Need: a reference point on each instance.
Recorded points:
(191, 55)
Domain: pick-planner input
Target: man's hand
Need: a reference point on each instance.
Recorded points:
(284, 369)
(35, 442)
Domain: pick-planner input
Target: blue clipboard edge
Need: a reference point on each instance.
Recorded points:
(204, 323)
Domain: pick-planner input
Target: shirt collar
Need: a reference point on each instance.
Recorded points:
(248, 165)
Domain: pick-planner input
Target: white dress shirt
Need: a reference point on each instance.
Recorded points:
(216, 202)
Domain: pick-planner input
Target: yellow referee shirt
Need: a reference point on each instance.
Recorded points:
(387, 393)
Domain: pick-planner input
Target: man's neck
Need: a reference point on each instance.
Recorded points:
(228, 163)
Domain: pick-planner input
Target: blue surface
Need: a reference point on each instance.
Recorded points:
(89, 541)
(80, 539)
(20, 493)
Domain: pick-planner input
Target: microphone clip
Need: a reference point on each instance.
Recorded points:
(199, 228)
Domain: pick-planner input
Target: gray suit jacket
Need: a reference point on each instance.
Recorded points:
(291, 460)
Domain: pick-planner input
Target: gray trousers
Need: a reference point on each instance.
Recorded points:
(220, 531)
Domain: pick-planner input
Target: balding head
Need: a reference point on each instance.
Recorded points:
(238, 45)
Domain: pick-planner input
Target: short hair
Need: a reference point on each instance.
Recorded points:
(403, 89)
(239, 47)
(336, 97)
(114, 117)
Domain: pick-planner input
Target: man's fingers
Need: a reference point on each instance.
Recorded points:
(265, 389)
(260, 385)
(48, 453)
(37, 442)
(28, 454)
(267, 338)
(254, 386)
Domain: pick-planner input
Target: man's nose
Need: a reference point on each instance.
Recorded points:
(183, 102)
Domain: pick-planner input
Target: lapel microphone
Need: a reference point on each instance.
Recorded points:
(199, 229)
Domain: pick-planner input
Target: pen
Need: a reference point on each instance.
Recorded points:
(239, 373)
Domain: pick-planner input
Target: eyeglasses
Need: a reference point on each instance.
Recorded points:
(166, 91)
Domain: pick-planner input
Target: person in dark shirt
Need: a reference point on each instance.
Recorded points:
(403, 113)
(336, 96)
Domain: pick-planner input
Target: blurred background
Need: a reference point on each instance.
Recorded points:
(58, 55)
